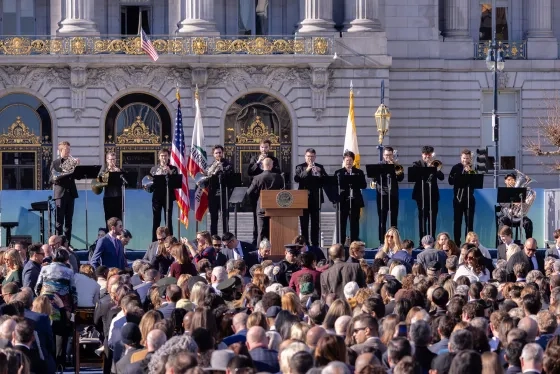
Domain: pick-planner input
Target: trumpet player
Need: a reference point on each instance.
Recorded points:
(112, 195)
(463, 199)
(159, 195)
(256, 168)
(65, 191)
(218, 189)
(389, 191)
(302, 176)
(427, 203)
(350, 200)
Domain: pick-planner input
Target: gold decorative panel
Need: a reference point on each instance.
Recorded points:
(19, 134)
(257, 132)
(137, 133)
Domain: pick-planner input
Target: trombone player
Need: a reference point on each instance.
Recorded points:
(64, 186)
(390, 191)
(112, 196)
(427, 212)
(160, 194)
(463, 205)
(256, 168)
(218, 189)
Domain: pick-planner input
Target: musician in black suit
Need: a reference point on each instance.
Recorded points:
(424, 216)
(516, 220)
(303, 174)
(65, 191)
(351, 202)
(159, 195)
(267, 180)
(220, 170)
(463, 204)
(255, 168)
(385, 194)
(112, 195)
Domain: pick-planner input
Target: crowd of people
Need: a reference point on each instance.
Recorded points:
(219, 304)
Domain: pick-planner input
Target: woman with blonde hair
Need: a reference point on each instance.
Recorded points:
(14, 267)
(441, 239)
(393, 242)
(290, 302)
(261, 281)
(472, 238)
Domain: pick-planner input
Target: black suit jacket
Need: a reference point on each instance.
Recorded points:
(395, 179)
(417, 191)
(226, 254)
(256, 168)
(457, 170)
(502, 251)
(303, 178)
(214, 181)
(519, 257)
(267, 180)
(37, 365)
(65, 185)
(109, 191)
(358, 201)
(159, 193)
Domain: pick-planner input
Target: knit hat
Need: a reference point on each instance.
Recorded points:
(306, 288)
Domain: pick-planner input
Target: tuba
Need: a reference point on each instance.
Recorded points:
(517, 211)
(68, 167)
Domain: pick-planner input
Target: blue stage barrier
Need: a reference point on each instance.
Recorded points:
(138, 219)
(138, 216)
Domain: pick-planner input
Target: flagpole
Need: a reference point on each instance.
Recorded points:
(196, 100)
(178, 96)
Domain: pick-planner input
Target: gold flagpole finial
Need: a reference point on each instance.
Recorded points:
(196, 92)
(177, 95)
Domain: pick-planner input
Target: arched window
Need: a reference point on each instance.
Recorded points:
(25, 142)
(136, 127)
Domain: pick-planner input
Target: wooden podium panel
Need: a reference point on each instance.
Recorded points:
(284, 207)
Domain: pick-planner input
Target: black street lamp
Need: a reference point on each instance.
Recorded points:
(495, 63)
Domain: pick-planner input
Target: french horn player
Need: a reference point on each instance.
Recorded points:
(463, 199)
(390, 191)
(64, 186)
(112, 196)
(160, 194)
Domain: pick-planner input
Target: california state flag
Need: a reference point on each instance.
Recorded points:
(351, 138)
(197, 163)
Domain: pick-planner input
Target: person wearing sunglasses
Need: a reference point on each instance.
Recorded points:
(392, 243)
(162, 232)
(529, 254)
(473, 267)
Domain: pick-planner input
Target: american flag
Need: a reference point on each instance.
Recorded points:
(147, 46)
(178, 159)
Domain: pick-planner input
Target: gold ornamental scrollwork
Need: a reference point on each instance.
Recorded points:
(320, 46)
(78, 45)
(257, 132)
(137, 133)
(199, 46)
(16, 46)
(19, 134)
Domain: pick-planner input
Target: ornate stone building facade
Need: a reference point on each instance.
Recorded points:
(74, 70)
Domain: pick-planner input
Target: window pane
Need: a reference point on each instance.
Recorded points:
(502, 32)
(507, 102)
(262, 17)
(9, 6)
(26, 175)
(9, 178)
(9, 23)
(27, 8)
(128, 115)
(28, 116)
(509, 137)
(27, 26)
(246, 17)
(17, 98)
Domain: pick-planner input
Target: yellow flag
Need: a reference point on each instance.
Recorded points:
(351, 138)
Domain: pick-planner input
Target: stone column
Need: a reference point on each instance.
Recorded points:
(457, 19)
(318, 17)
(539, 19)
(365, 18)
(79, 18)
(200, 18)
(541, 43)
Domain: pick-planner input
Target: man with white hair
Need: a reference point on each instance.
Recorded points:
(350, 290)
(341, 324)
(336, 367)
(430, 254)
(139, 360)
(219, 274)
(135, 280)
(532, 359)
(287, 353)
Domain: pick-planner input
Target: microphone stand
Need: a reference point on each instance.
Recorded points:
(166, 198)
(49, 210)
(123, 187)
(381, 197)
(423, 219)
(430, 191)
(389, 187)
(338, 218)
(221, 205)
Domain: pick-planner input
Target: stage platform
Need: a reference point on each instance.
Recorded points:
(138, 218)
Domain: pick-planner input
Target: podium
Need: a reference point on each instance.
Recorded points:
(284, 207)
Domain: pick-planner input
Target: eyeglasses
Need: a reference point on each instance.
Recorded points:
(447, 250)
(358, 329)
(160, 239)
(389, 236)
(470, 258)
(217, 245)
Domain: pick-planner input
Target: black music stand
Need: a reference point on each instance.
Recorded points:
(41, 207)
(471, 182)
(346, 182)
(8, 226)
(168, 182)
(423, 175)
(236, 198)
(316, 184)
(511, 195)
(377, 172)
(86, 172)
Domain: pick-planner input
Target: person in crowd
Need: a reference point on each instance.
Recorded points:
(162, 233)
(336, 276)
(473, 268)
(32, 268)
(234, 249)
(109, 250)
(430, 254)
(182, 264)
(14, 267)
(87, 284)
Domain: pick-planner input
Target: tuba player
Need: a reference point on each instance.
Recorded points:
(507, 220)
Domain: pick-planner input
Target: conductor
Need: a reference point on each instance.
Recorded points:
(267, 180)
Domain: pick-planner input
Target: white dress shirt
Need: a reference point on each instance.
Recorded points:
(238, 252)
